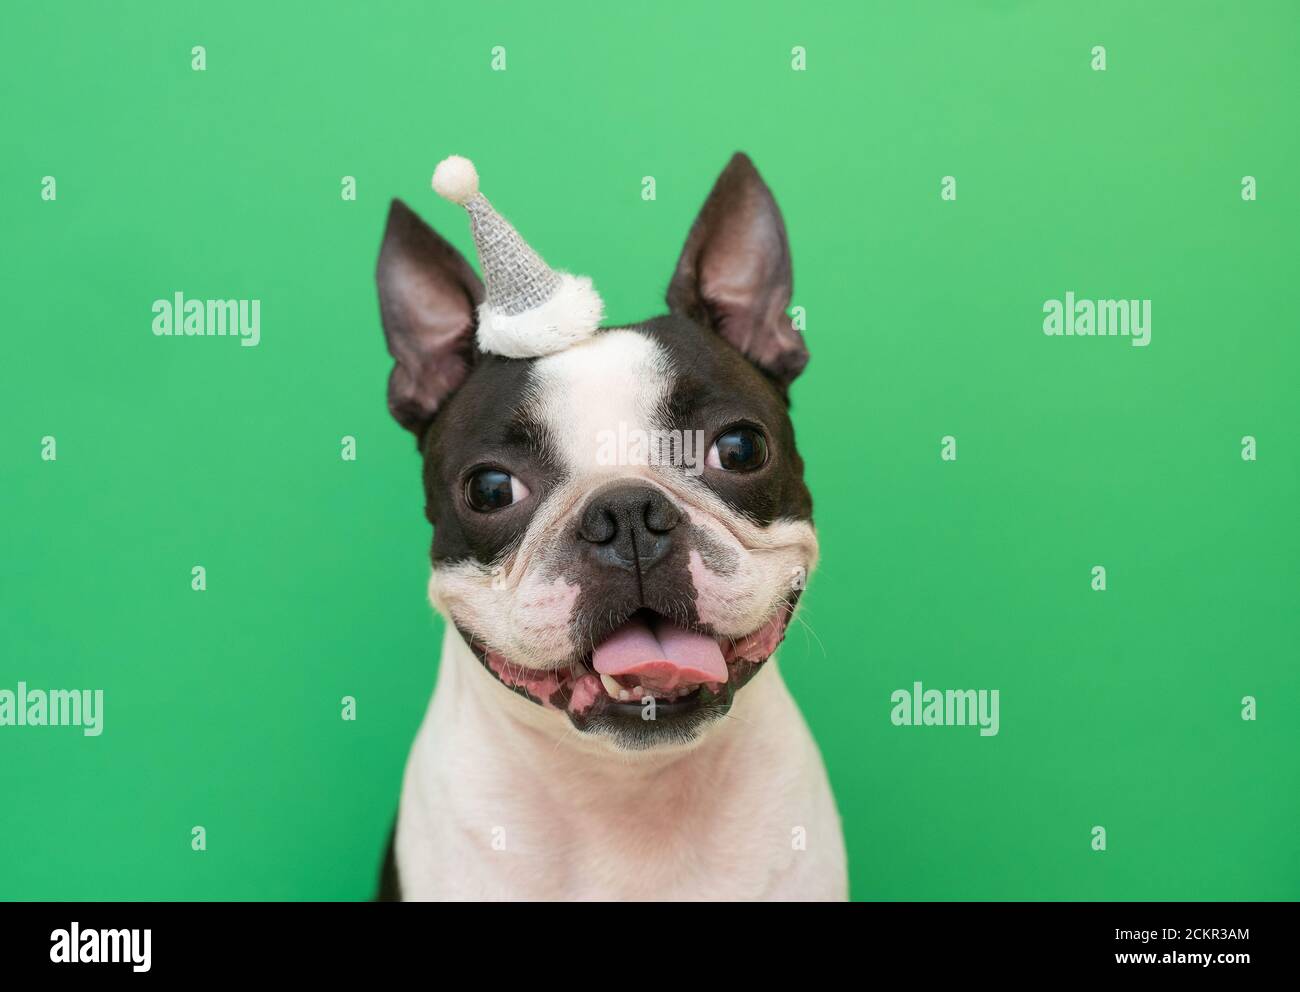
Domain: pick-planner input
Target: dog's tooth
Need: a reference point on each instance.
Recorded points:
(612, 688)
(623, 696)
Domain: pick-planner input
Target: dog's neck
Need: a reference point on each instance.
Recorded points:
(577, 819)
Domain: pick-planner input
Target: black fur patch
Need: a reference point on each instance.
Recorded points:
(715, 387)
(390, 885)
(488, 422)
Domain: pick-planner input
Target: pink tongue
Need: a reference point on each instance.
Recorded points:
(663, 657)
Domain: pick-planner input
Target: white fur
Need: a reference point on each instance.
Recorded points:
(618, 377)
(570, 316)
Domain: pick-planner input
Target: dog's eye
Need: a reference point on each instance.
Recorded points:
(489, 489)
(738, 449)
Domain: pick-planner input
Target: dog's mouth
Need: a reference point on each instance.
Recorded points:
(650, 655)
(647, 673)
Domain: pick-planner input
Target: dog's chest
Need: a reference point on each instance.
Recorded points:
(741, 818)
(660, 847)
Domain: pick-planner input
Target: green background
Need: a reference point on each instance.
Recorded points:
(1119, 709)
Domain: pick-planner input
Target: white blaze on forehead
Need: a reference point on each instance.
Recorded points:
(616, 381)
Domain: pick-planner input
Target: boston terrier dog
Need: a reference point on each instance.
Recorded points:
(608, 721)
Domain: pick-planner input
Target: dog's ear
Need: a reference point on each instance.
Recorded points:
(428, 298)
(734, 273)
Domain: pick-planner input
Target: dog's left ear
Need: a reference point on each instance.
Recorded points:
(428, 298)
(734, 273)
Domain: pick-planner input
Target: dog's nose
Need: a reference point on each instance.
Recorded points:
(629, 526)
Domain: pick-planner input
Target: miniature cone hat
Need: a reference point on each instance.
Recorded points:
(529, 309)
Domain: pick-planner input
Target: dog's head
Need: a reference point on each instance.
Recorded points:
(621, 529)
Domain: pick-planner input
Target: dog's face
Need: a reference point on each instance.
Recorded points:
(621, 529)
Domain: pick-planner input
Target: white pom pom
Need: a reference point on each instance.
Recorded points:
(456, 179)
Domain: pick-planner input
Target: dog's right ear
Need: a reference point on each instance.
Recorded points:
(428, 299)
(734, 273)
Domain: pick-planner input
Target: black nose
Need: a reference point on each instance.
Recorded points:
(629, 526)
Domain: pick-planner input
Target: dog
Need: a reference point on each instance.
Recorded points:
(608, 722)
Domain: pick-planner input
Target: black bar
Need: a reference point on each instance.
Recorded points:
(1222, 942)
